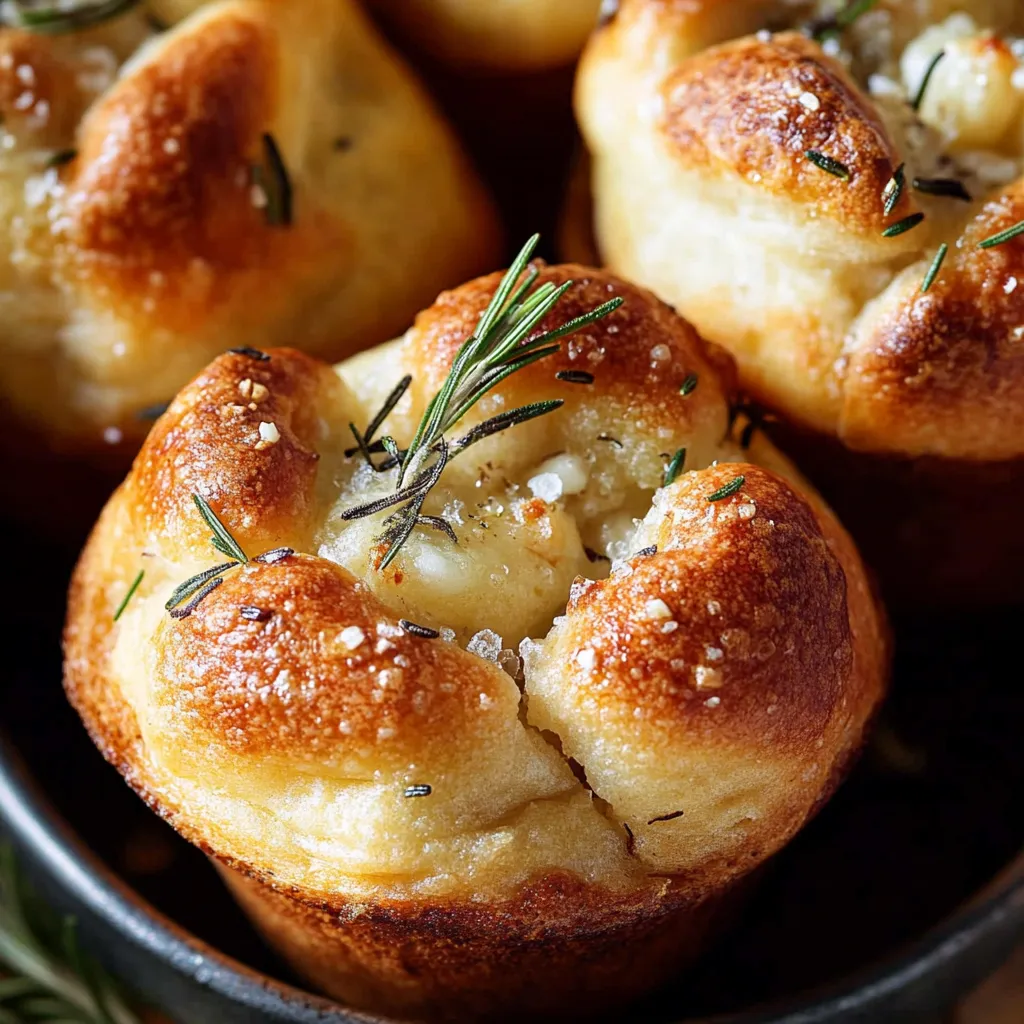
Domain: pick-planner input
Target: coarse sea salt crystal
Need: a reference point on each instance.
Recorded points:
(485, 644)
(546, 486)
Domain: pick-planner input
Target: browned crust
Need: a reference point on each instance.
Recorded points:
(210, 444)
(736, 109)
(561, 948)
(617, 350)
(785, 595)
(944, 371)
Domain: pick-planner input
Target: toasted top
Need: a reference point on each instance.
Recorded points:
(512, 35)
(346, 729)
(145, 228)
(790, 191)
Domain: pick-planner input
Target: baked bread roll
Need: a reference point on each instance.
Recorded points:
(506, 35)
(830, 204)
(417, 833)
(147, 225)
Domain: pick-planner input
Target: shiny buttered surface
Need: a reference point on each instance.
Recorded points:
(833, 201)
(516, 769)
(502, 35)
(243, 172)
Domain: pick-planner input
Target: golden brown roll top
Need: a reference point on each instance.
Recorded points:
(773, 187)
(167, 231)
(354, 738)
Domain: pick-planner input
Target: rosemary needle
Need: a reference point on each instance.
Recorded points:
(688, 384)
(61, 17)
(893, 190)
(129, 595)
(727, 490)
(674, 468)
(828, 164)
(903, 226)
(932, 65)
(1003, 236)
(502, 343)
(933, 270)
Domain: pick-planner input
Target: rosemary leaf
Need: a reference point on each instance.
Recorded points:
(688, 385)
(223, 540)
(129, 595)
(949, 187)
(893, 190)
(932, 65)
(58, 18)
(674, 467)
(828, 164)
(902, 226)
(727, 490)
(1003, 236)
(933, 270)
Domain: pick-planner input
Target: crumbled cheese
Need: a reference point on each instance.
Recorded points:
(586, 659)
(245, 387)
(810, 101)
(712, 702)
(259, 392)
(351, 637)
(707, 678)
(656, 608)
(572, 473)
(546, 486)
(269, 433)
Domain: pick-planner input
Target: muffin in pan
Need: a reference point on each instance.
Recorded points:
(260, 171)
(502, 35)
(504, 736)
(832, 192)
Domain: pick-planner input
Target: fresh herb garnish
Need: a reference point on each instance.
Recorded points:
(611, 440)
(727, 490)
(152, 412)
(1003, 236)
(252, 353)
(833, 24)
(415, 629)
(666, 817)
(62, 157)
(828, 164)
(272, 177)
(933, 270)
(421, 789)
(575, 376)
(61, 17)
(221, 539)
(950, 187)
(932, 65)
(630, 839)
(129, 595)
(674, 468)
(365, 440)
(499, 346)
(893, 190)
(48, 976)
(902, 226)
(646, 552)
(689, 383)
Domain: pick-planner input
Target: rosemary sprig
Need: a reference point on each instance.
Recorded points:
(272, 177)
(828, 164)
(500, 345)
(1003, 236)
(58, 18)
(918, 99)
(221, 539)
(933, 270)
(129, 595)
(49, 978)
(893, 190)
(902, 226)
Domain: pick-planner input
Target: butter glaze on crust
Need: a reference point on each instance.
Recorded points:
(280, 724)
(712, 202)
(134, 263)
